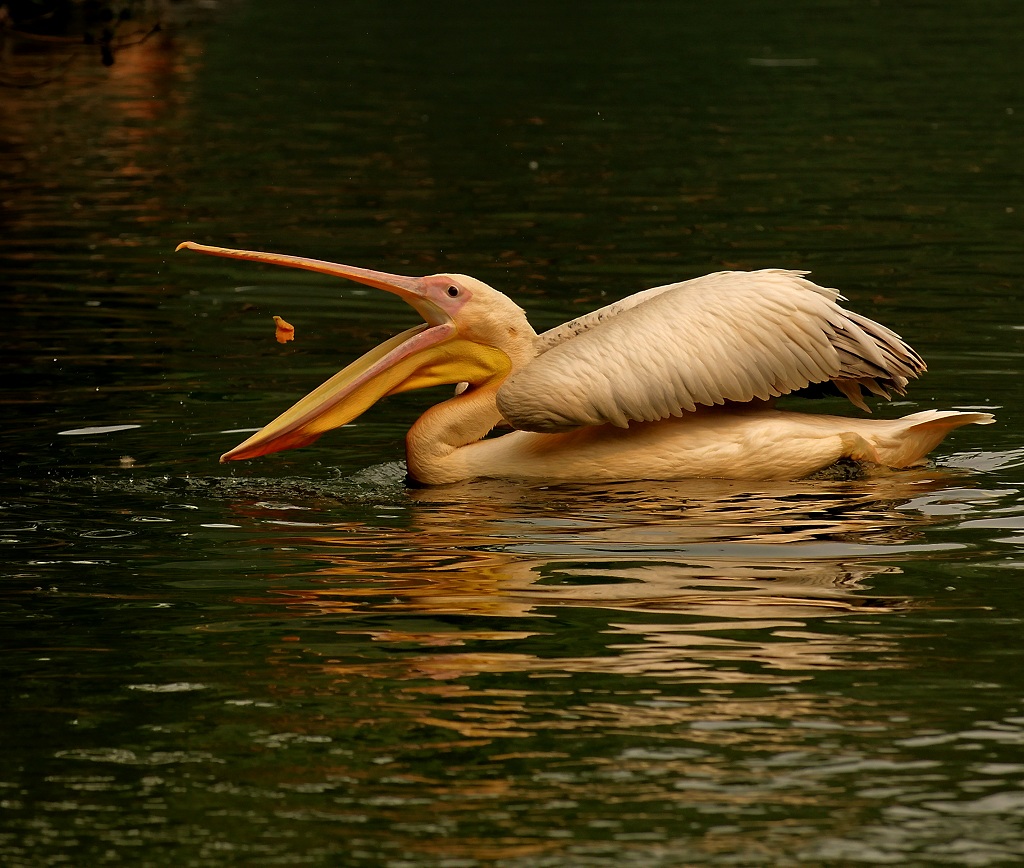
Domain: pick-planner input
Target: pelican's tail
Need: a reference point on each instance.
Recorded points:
(905, 442)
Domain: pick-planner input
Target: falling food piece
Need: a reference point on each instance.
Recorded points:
(285, 330)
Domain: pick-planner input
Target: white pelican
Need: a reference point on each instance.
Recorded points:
(673, 382)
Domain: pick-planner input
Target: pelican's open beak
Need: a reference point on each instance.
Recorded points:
(429, 354)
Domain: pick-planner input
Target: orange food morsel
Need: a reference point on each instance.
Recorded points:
(285, 330)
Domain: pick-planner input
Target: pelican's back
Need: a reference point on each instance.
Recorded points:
(726, 337)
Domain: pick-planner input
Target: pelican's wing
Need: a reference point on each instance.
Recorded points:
(729, 336)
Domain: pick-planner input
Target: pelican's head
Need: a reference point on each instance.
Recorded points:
(480, 313)
(471, 333)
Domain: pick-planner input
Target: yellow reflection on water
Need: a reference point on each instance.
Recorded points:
(710, 582)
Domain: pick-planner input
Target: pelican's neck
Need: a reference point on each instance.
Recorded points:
(433, 443)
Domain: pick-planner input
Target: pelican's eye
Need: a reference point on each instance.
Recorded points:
(453, 291)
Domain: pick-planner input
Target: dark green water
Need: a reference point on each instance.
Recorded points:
(299, 661)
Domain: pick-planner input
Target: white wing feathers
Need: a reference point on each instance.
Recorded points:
(729, 336)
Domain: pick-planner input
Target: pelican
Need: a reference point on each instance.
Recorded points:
(673, 382)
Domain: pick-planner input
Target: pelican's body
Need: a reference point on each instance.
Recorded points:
(731, 443)
(673, 382)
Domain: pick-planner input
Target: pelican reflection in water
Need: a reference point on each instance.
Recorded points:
(673, 382)
(690, 576)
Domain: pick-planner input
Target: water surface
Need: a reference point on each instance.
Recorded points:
(301, 660)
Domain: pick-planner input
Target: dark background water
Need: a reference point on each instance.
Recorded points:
(301, 661)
